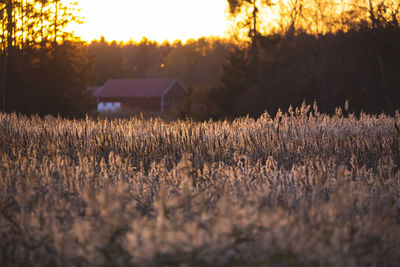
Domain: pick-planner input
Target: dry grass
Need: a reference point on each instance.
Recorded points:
(301, 189)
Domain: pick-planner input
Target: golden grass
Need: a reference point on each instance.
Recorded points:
(301, 189)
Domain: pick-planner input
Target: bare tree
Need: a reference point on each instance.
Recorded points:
(291, 14)
(250, 9)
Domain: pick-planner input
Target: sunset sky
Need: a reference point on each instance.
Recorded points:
(157, 20)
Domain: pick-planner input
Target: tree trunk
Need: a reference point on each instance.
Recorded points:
(10, 42)
(10, 22)
(3, 81)
(41, 25)
(55, 21)
(253, 35)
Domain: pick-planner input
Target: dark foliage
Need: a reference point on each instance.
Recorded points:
(50, 80)
(329, 69)
(44, 69)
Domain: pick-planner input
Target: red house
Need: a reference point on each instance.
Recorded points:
(154, 95)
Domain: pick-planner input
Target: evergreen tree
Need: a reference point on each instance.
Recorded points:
(44, 69)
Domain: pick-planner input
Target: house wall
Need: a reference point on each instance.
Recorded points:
(174, 96)
(149, 104)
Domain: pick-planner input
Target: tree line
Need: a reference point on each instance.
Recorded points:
(314, 50)
(197, 63)
(44, 69)
(319, 50)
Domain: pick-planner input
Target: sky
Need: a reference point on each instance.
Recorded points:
(158, 20)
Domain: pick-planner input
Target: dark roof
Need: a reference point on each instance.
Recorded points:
(135, 88)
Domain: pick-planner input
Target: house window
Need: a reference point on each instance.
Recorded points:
(108, 106)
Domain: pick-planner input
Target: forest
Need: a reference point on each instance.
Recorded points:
(316, 50)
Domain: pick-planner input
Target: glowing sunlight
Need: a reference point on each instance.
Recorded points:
(157, 20)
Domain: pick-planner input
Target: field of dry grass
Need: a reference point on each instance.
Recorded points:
(300, 189)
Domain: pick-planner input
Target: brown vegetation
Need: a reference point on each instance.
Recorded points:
(302, 188)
